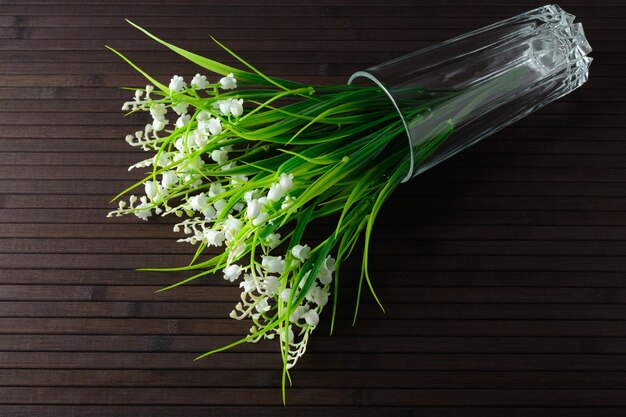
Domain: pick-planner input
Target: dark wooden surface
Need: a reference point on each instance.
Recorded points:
(502, 270)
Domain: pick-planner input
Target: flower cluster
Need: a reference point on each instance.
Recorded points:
(248, 162)
(193, 142)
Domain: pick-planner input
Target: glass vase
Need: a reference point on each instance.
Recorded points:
(452, 95)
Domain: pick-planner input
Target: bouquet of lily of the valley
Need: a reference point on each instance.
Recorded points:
(248, 161)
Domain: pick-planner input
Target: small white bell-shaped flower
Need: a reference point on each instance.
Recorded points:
(311, 317)
(220, 205)
(298, 312)
(236, 107)
(142, 210)
(158, 125)
(220, 156)
(177, 83)
(169, 179)
(254, 209)
(286, 181)
(301, 252)
(224, 106)
(232, 272)
(273, 264)
(273, 240)
(182, 121)
(199, 82)
(248, 283)
(271, 284)
(275, 192)
(214, 126)
(151, 189)
(319, 295)
(198, 202)
(213, 237)
(262, 306)
(180, 108)
(285, 294)
(229, 82)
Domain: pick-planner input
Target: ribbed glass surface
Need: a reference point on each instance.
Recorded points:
(483, 81)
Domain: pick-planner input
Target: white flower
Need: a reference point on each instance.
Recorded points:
(232, 226)
(196, 183)
(224, 106)
(220, 205)
(151, 189)
(273, 240)
(232, 272)
(249, 195)
(273, 264)
(149, 89)
(298, 313)
(301, 252)
(285, 294)
(248, 283)
(180, 108)
(169, 179)
(213, 237)
(254, 209)
(325, 278)
(231, 106)
(271, 284)
(286, 181)
(215, 189)
(276, 192)
(163, 160)
(215, 126)
(182, 120)
(199, 138)
(318, 295)
(209, 212)
(203, 127)
(311, 318)
(180, 143)
(260, 219)
(180, 168)
(238, 179)
(287, 202)
(198, 202)
(177, 83)
(203, 115)
(305, 277)
(290, 335)
(157, 111)
(325, 273)
(228, 166)
(158, 125)
(199, 82)
(142, 210)
(229, 82)
(196, 164)
(262, 306)
(236, 107)
(220, 156)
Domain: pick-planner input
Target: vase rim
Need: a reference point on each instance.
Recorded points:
(376, 81)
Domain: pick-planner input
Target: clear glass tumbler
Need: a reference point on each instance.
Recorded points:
(482, 81)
